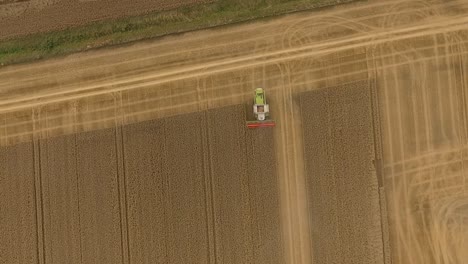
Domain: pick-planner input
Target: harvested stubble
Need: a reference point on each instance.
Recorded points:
(18, 231)
(342, 186)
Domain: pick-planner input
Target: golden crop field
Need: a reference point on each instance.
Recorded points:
(140, 153)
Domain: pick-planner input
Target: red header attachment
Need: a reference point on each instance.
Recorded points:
(261, 124)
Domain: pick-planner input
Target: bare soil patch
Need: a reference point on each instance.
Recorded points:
(28, 17)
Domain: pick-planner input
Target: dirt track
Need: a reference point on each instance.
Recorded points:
(414, 51)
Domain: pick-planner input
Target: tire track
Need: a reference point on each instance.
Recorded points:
(382, 68)
(249, 61)
(174, 108)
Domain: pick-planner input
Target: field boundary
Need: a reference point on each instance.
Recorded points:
(378, 163)
(126, 31)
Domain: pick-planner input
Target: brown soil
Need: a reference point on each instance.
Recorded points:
(26, 17)
(340, 151)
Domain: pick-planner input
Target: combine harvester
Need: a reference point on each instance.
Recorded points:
(261, 111)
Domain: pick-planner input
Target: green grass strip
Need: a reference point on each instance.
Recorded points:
(105, 33)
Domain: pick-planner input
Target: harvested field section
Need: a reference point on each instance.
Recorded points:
(98, 197)
(245, 190)
(61, 200)
(342, 186)
(40, 16)
(18, 233)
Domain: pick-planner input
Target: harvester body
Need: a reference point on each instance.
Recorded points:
(261, 111)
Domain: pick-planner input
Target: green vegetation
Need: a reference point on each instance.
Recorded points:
(156, 24)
